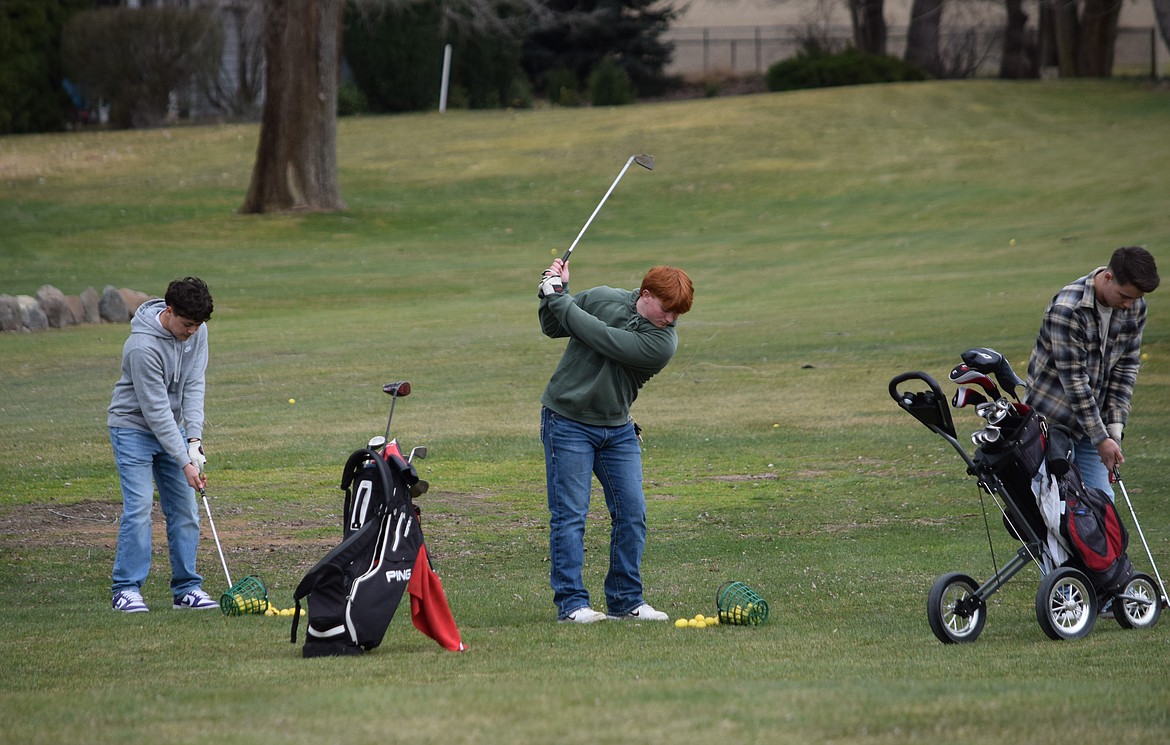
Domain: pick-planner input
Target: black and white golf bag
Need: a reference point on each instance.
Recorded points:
(355, 589)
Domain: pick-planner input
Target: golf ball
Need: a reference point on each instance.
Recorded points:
(292, 400)
(553, 251)
(680, 623)
(1012, 242)
(1145, 356)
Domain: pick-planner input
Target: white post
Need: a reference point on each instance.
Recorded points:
(446, 78)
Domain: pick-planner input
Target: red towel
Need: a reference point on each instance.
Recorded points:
(429, 611)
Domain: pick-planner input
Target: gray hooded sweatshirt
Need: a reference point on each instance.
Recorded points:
(162, 383)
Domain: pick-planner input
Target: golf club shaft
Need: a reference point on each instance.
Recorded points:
(626, 167)
(1136, 524)
(215, 534)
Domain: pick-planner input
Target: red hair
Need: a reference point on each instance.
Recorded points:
(671, 286)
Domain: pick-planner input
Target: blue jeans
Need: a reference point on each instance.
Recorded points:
(573, 452)
(1093, 471)
(141, 459)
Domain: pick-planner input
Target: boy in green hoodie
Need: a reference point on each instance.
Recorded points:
(618, 339)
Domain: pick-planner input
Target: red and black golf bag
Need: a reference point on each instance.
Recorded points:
(355, 589)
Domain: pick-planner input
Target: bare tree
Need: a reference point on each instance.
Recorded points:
(1083, 35)
(869, 25)
(296, 159)
(1018, 58)
(236, 90)
(1162, 16)
(922, 36)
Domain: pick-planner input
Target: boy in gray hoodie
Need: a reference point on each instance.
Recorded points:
(156, 429)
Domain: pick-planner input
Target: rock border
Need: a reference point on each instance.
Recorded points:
(52, 309)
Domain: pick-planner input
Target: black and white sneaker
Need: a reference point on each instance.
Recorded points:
(642, 613)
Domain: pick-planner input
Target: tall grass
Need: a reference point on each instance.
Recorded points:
(836, 238)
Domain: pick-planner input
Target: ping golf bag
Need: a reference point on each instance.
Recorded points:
(355, 589)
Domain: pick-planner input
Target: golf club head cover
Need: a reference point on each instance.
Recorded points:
(550, 285)
(967, 397)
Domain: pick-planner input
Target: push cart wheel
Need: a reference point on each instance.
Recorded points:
(955, 612)
(1066, 604)
(1139, 606)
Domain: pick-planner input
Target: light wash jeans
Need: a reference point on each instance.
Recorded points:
(573, 452)
(1093, 471)
(141, 459)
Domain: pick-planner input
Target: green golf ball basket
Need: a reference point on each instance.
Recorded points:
(249, 595)
(740, 605)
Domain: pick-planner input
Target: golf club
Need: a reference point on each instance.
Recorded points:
(396, 389)
(964, 374)
(646, 161)
(985, 360)
(967, 397)
(215, 533)
(1136, 524)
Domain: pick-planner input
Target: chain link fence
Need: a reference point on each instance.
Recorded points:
(701, 52)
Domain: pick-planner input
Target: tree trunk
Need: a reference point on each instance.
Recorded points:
(1018, 60)
(1162, 15)
(1066, 25)
(1098, 35)
(296, 159)
(869, 25)
(922, 43)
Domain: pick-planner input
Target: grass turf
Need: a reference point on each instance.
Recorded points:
(836, 238)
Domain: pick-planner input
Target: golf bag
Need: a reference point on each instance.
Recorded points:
(354, 591)
(1095, 533)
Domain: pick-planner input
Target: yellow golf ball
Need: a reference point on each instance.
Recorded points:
(1012, 242)
(553, 251)
(1145, 356)
(680, 623)
(292, 400)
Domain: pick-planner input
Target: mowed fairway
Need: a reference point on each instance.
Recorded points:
(836, 238)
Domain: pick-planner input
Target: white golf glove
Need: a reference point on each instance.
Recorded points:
(1115, 431)
(195, 453)
(550, 285)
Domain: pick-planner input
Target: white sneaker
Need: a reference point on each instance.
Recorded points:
(642, 613)
(584, 614)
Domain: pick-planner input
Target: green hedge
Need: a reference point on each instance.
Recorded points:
(819, 69)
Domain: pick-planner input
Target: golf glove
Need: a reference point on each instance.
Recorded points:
(195, 453)
(550, 285)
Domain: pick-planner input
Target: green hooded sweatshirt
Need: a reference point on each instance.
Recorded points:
(612, 352)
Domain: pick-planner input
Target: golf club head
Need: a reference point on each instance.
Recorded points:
(399, 388)
(646, 161)
(964, 374)
(967, 397)
(419, 452)
(989, 361)
(376, 442)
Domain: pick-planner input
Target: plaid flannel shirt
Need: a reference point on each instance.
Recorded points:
(1071, 381)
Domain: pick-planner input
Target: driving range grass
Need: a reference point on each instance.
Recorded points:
(836, 238)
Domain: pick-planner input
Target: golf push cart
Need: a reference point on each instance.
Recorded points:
(1035, 487)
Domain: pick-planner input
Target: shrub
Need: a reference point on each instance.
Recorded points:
(351, 100)
(610, 84)
(560, 81)
(815, 68)
(137, 57)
